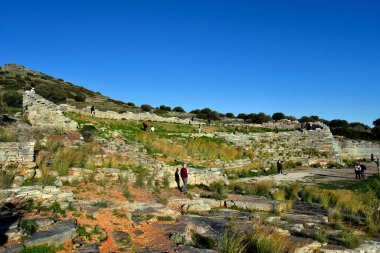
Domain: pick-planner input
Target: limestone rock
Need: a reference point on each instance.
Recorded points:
(58, 234)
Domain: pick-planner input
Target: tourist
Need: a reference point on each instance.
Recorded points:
(377, 164)
(209, 121)
(362, 169)
(92, 110)
(357, 170)
(372, 158)
(184, 177)
(199, 129)
(152, 129)
(176, 177)
(145, 126)
(279, 166)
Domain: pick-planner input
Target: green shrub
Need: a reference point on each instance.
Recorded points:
(219, 190)
(6, 179)
(80, 97)
(178, 109)
(101, 204)
(45, 248)
(231, 242)
(349, 239)
(126, 192)
(146, 108)
(203, 241)
(28, 226)
(12, 98)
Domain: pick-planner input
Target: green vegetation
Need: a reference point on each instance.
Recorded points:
(101, 204)
(45, 248)
(28, 226)
(6, 179)
(219, 190)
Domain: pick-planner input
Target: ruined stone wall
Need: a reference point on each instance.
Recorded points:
(43, 113)
(16, 152)
(352, 149)
(307, 147)
(128, 115)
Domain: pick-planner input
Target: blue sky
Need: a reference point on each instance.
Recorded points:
(297, 57)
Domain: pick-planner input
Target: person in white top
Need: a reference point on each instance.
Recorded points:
(152, 129)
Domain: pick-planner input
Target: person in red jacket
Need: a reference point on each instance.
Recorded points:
(184, 177)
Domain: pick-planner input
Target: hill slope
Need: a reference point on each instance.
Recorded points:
(15, 78)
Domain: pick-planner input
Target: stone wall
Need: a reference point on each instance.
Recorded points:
(45, 195)
(306, 147)
(352, 149)
(16, 152)
(41, 112)
(128, 115)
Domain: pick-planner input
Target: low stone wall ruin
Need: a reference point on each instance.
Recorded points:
(16, 152)
(43, 113)
(352, 149)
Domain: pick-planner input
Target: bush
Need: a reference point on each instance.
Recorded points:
(80, 98)
(230, 115)
(6, 179)
(165, 108)
(278, 116)
(52, 92)
(12, 98)
(28, 226)
(131, 104)
(178, 109)
(231, 242)
(146, 108)
(219, 190)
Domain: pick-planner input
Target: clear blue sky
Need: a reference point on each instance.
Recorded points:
(313, 57)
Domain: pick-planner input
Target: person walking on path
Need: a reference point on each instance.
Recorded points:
(176, 177)
(152, 129)
(184, 177)
(378, 164)
(145, 125)
(199, 129)
(92, 110)
(279, 167)
(362, 169)
(357, 170)
(372, 158)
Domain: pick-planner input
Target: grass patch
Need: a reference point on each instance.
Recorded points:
(100, 204)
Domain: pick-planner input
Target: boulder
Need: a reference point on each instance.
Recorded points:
(59, 233)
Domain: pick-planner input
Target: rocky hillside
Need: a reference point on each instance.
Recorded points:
(14, 79)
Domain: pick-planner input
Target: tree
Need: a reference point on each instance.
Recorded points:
(242, 116)
(165, 108)
(206, 113)
(278, 116)
(131, 104)
(338, 123)
(230, 115)
(12, 98)
(376, 132)
(146, 108)
(178, 109)
(80, 97)
(376, 122)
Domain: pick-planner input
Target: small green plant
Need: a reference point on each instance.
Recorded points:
(203, 241)
(81, 231)
(126, 192)
(101, 204)
(28, 226)
(219, 190)
(165, 218)
(320, 236)
(45, 248)
(231, 242)
(6, 179)
(57, 208)
(348, 239)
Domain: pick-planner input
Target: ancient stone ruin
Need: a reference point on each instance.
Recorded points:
(43, 113)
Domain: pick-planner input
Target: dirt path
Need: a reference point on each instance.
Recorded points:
(313, 175)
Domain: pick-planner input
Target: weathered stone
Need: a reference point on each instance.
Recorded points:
(89, 248)
(58, 234)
